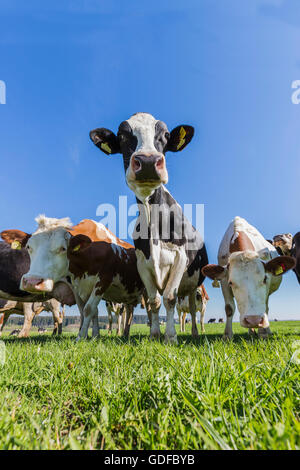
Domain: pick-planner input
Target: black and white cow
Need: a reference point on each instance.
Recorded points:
(170, 252)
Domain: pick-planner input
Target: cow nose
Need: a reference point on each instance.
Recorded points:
(253, 321)
(148, 167)
(36, 284)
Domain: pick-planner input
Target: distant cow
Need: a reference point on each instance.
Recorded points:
(221, 320)
(31, 310)
(183, 309)
(212, 320)
(170, 252)
(15, 333)
(101, 269)
(250, 270)
(42, 330)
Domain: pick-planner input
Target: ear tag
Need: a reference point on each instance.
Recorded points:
(106, 147)
(77, 248)
(182, 135)
(216, 283)
(16, 245)
(279, 270)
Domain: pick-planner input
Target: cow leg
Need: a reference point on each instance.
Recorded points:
(28, 317)
(90, 312)
(120, 322)
(154, 300)
(149, 313)
(179, 313)
(128, 319)
(193, 309)
(202, 313)
(183, 321)
(229, 309)
(3, 321)
(57, 317)
(110, 318)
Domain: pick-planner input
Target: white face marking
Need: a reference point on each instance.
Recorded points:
(48, 255)
(143, 127)
(250, 284)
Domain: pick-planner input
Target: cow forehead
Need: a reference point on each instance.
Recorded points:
(245, 262)
(49, 238)
(141, 121)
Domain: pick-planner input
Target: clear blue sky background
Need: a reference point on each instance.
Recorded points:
(224, 66)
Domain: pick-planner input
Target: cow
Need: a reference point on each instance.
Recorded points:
(14, 262)
(212, 320)
(31, 310)
(98, 265)
(221, 320)
(283, 243)
(289, 245)
(183, 309)
(250, 270)
(170, 252)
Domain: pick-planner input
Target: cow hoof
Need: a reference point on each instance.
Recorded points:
(155, 336)
(227, 337)
(171, 340)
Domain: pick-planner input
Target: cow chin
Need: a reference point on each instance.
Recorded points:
(36, 285)
(143, 189)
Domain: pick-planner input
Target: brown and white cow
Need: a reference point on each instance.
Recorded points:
(98, 265)
(30, 310)
(183, 309)
(170, 252)
(250, 270)
(288, 244)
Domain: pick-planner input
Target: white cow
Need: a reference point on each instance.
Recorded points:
(250, 271)
(183, 309)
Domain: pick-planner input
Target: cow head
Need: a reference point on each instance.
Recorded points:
(283, 243)
(48, 260)
(249, 279)
(295, 252)
(143, 142)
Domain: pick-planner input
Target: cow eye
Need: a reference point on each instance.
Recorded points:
(167, 135)
(265, 279)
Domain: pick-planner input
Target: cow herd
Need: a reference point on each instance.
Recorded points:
(85, 263)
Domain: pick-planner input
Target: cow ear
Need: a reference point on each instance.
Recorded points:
(79, 243)
(16, 238)
(280, 265)
(180, 137)
(214, 271)
(105, 140)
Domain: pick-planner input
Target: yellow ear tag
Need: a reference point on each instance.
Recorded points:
(106, 147)
(77, 248)
(278, 271)
(216, 283)
(182, 135)
(16, 245)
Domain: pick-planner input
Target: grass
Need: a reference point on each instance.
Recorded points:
(116, 394)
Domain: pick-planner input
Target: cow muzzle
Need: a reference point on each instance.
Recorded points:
(149, 167)
(255, 321)
(36, 284)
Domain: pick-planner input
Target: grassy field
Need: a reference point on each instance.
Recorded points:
(137, 394)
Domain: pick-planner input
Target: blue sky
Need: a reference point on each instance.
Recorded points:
(224, 66)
